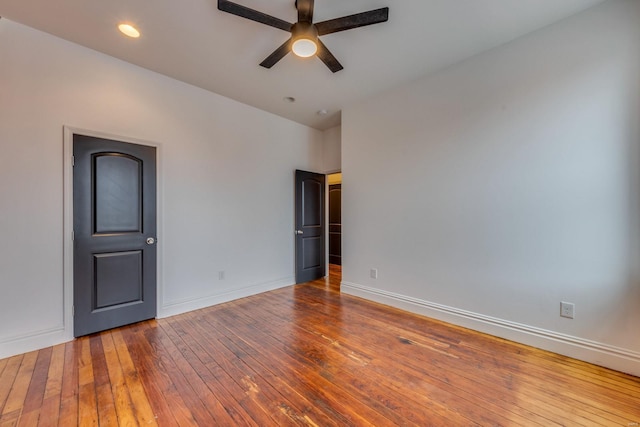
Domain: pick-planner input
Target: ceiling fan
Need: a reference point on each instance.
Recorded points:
(304, 39)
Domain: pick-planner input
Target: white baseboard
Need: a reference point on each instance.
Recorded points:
(33, 341)
(601, 354)
(41, 339)
(173, 308)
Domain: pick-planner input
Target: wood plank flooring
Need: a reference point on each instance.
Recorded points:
(307, 356)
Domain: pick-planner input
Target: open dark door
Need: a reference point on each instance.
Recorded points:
(310, 228)
(114, 222)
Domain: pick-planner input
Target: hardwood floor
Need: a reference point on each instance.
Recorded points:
(307, 355)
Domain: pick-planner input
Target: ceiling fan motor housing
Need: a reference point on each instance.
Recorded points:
(303, 30)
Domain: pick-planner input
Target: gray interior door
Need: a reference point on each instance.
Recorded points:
(310, 228)
(114, 222)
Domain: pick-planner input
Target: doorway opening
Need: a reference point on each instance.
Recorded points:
(334, 219)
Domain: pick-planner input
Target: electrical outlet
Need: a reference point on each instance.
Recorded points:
(221, 275)
(373, 273)
(567, 309)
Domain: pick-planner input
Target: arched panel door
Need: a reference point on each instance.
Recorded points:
(114, 222)
(310, 228)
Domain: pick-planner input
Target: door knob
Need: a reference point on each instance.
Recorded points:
(150, 240)
(299, 232)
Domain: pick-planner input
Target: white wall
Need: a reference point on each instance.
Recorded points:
(490, 192)
(332, 149)
(331, 162)
(226, 181)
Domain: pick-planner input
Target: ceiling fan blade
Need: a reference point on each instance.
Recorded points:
(305, 10)
(327, 57)
(353, 21)
(254, 15)
(277, 55)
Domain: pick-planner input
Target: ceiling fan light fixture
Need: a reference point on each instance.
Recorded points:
(305, 39)
(304, 48)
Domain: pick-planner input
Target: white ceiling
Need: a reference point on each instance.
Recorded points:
(192, 41)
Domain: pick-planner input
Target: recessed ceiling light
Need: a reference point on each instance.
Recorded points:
(289, 99)
(129, 30)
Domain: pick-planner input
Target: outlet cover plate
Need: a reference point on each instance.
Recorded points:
(567, 309)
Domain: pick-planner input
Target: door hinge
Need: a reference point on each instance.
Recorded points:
(73, 310)
(73, 236)
(73, 161)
